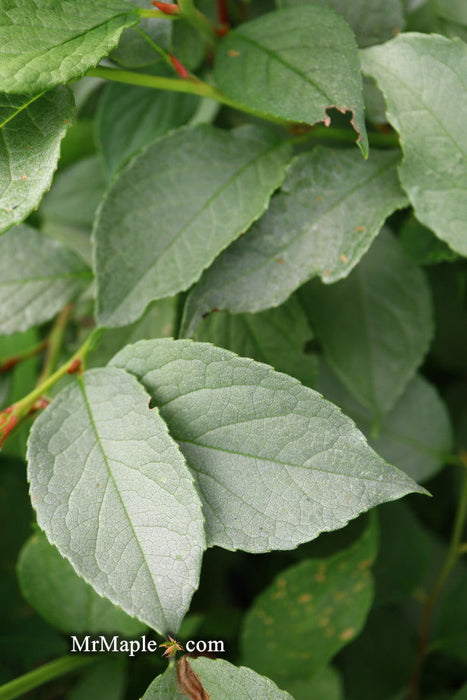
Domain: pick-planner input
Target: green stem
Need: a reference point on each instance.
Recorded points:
(454, 550)
(21, 408)
(193, 86)
(155, 47)
(22, 685)
(158, 14)
(198, 21)
(9, 363)
(54, 344)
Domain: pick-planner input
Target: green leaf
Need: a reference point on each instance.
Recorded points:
(157, 322)
(106, 680)
(450, 633)
(38, 276)
(404, 555)
(310, 611)
(421, 244)
(330, 208)
(31, 130)
(379, 663)
(375, 326)
(371, 24)
(426, 91)
(75, 194)
(277, 337)
(449, 288)
(130, 117)
(401, 436)
(219, 679)
(67, 211)
(295, 64)
(51, 586)
(275, 464)
(462, 694)
(44, 44)
(135, 48)
(451, 18)
(324, 685)
(174, 208)
(25, 639)
(113, 493)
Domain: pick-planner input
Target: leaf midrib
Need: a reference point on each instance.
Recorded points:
(155, 262)
(293, 69)
(265, 260)
(117, 490)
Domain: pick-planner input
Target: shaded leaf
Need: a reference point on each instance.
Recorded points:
(379, 663)
(38, 276)
(219, 679)
(75, 194)
(371, 23)
(330, 208)
(426, 91)
(450, 633)
(277, 337)
(157, 322)
(67, 212)
(421, 244)
(462, 694)
(295, 64)
(375, 326)
(52, 587)
(415, 435)
(130, 117)
(178, 204)
(448, 284)
(46, 44)
(275, 464)
(402, 540)
(139, 540)
(106, 680)
(310, 611)
(324, 685)
(135, 48)
(31, 131)
(20, 628)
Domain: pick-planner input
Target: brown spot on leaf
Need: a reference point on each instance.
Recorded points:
(347, 634)
(281, 582)
(233, 53)
(189, 682)
(360, 229)
(343, 258)
(280, 261)
(24, 177)
(364, 564)
(321, 575)
(305, 598)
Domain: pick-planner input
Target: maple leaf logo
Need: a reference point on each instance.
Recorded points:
(172, 646)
